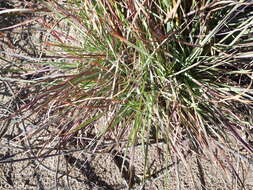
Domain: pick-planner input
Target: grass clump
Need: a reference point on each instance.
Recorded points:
(145, 72)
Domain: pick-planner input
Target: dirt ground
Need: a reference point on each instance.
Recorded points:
(24, 166)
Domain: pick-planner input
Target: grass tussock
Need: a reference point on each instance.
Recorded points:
(144, 72)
